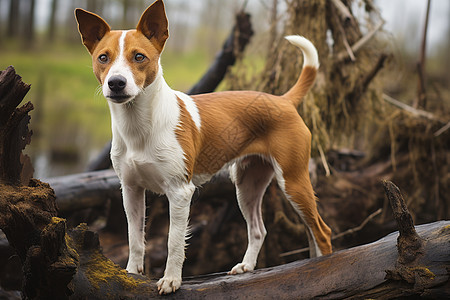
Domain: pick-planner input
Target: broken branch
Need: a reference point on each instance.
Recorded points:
(344, 54)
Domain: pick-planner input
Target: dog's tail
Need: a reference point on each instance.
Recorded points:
(310, 66)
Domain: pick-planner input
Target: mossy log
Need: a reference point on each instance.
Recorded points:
(60, 265)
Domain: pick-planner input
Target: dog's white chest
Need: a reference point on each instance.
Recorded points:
(145, 150)
(154, 171)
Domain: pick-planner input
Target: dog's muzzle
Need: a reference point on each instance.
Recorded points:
(117, 84)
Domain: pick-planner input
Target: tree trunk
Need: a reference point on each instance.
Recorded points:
(52, 21)
(13, 19)
(29, 24)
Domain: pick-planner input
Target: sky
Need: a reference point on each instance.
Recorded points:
(405, 20)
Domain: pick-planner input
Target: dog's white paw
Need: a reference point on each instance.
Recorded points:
(135, 268)
(241, 268)
(168, 284)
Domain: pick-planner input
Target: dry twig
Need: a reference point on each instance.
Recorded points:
(344, 54)
(339, 235)
(414, 111)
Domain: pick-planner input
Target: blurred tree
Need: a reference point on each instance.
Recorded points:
(126, 6)
(52, 21)
(95, 6)
(13, 18)
(29, 23)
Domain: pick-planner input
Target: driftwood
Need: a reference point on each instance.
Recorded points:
(234, 45)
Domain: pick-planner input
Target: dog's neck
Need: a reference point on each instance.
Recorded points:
(152, 112)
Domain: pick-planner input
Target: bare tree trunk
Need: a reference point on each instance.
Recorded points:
(125, 10)
(52, 21)
(29, 33)
(13, 19)
(421, 100)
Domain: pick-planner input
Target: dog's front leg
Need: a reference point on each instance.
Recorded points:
(134, 204)
(179, 204)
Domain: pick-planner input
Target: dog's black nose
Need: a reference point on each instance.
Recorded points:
(117, 83)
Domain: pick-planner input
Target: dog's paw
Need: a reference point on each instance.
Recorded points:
(135, 269)
(241, 268)
(168, 284)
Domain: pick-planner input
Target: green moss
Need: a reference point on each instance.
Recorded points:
(102, 271)
(424, 272)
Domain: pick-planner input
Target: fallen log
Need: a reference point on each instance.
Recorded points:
(86, 190)
(357, 272)
(78, 268)
(93, 189)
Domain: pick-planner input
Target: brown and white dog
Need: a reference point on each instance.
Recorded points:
(169, 142)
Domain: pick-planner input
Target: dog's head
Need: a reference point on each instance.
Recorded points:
(125, 62)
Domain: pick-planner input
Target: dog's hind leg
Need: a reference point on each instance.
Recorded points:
(298, 190)
(251, 176)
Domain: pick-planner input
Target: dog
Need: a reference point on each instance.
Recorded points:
(170, 143)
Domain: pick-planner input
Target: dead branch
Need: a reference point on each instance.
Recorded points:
(15, 168)
(421, 99)
(345, 14)
(344, 54)
(340, 235)
(442, 130)
(414, 111)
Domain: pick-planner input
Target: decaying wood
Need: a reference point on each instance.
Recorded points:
(358, 272)
(15, 168)
(409, 243)
(85, 190)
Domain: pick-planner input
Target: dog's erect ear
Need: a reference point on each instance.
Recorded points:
(153, 24)
(92, 28)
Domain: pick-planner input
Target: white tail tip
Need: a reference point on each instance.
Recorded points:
(310, 56)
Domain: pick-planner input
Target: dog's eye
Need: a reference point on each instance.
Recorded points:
(139, 57)
(103, 58)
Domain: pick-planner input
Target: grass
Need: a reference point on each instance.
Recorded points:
(69, 112)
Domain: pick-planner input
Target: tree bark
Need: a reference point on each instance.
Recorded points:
(13, 18)
(52, 21)
(29, 33)
(15, 168)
